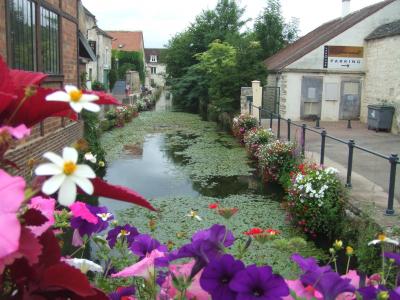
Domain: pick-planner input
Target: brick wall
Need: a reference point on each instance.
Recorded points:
(3, 47)
(33, 150)
(54, 133)
(382, 76)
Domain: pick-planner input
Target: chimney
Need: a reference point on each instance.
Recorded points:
(345, 8)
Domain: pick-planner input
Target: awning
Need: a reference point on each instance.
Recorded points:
(84, 48)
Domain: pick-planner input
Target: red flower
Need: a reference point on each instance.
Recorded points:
(227, 212)
(213, 205)
(254, 231)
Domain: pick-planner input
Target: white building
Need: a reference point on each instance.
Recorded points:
(325, 73)
(100, 42)
(155, 70)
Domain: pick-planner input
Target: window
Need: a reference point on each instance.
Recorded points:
(50, 41)
(23, 34)
(24, 31)
(153, 58)
(153, 70)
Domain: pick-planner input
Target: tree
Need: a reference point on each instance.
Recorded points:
(272, 31)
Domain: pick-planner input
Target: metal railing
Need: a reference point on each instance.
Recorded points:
(393, 159)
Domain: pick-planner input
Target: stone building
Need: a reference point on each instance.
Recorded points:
(382, 78)
(325, 73)
(42, 36)
(154, 68)
(100, 43)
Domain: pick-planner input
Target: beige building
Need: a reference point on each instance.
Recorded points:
(156, 71)
(100, 42)
(382, 78)
(328, 72)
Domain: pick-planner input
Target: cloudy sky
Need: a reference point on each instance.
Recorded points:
(161, 19)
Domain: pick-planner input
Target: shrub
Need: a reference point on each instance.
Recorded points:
(277, 160)
(98, 86)
(316, 201)
(242, 124)
(256, 137)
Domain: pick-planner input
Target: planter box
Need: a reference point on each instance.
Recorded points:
(380, 117)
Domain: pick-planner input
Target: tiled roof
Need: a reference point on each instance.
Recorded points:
(152, 51)
(320, 36)
(127, 40)
(386, 30)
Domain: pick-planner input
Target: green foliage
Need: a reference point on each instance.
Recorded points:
(272, 31)
(98, 86)
(83, 79)
(128, 61)
(112, 78)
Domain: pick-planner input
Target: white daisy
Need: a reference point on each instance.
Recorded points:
(383, 239)
(65, 175)
(104, 216)
(83, 264)
(90, 157)
(77, 100)
(193, 214)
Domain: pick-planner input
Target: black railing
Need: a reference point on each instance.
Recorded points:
(393, 159)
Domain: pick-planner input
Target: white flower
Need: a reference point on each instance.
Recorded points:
(83, 264)
(77, 100)
(194, 215)
(331, 170)
(383, 239)
(90, 157)
(104, 216)
(65, 175)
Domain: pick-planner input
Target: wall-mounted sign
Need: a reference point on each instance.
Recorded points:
(343, 57)
(92, 45)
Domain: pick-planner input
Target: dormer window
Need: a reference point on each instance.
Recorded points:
(153, 58)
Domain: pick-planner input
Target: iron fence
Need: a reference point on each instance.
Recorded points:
(393, 159)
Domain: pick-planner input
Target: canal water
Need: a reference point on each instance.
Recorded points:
(153, 169)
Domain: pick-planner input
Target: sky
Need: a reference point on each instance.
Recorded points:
(161, 19)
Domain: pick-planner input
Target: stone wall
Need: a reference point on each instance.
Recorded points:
(244, 105)
(382, 79)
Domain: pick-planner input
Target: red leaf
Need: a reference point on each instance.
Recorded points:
(66, 277)
(104, 98)
(35, 109)
(104, 189)
(51, 252)
(23, 79)
(34, 217)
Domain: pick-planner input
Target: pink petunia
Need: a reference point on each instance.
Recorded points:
(193, 292)
(302, 291)
(79, 209)
(12, 196)
(46, 207)
(144, 268)
(355, 281)
(18, 132)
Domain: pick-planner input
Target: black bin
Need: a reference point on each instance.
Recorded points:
(380, 117)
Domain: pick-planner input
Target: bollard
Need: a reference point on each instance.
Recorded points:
(348, 124)
(323, 139)
(303, 138)
(350, 144)
(270, 120)
(317, 123)
(393, 159)
(279, 126)
(288, 129)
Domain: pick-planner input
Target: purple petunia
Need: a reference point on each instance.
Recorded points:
(122, 292)
(258, 283)
(376, 292)
(394, 256)
(206, 245)
(218, 274)
(144, 244)
(85, 227)
(128, 232)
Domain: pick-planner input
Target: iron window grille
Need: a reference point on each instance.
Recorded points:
(153, 70)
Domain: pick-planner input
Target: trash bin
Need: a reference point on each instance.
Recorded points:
(380, 117)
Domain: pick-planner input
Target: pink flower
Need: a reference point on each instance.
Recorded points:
(18, 132)
(355, 281)
(193, 292)
(46, 207)
(144, 268)
(79, 209)
(301, 291)
(12, 196)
